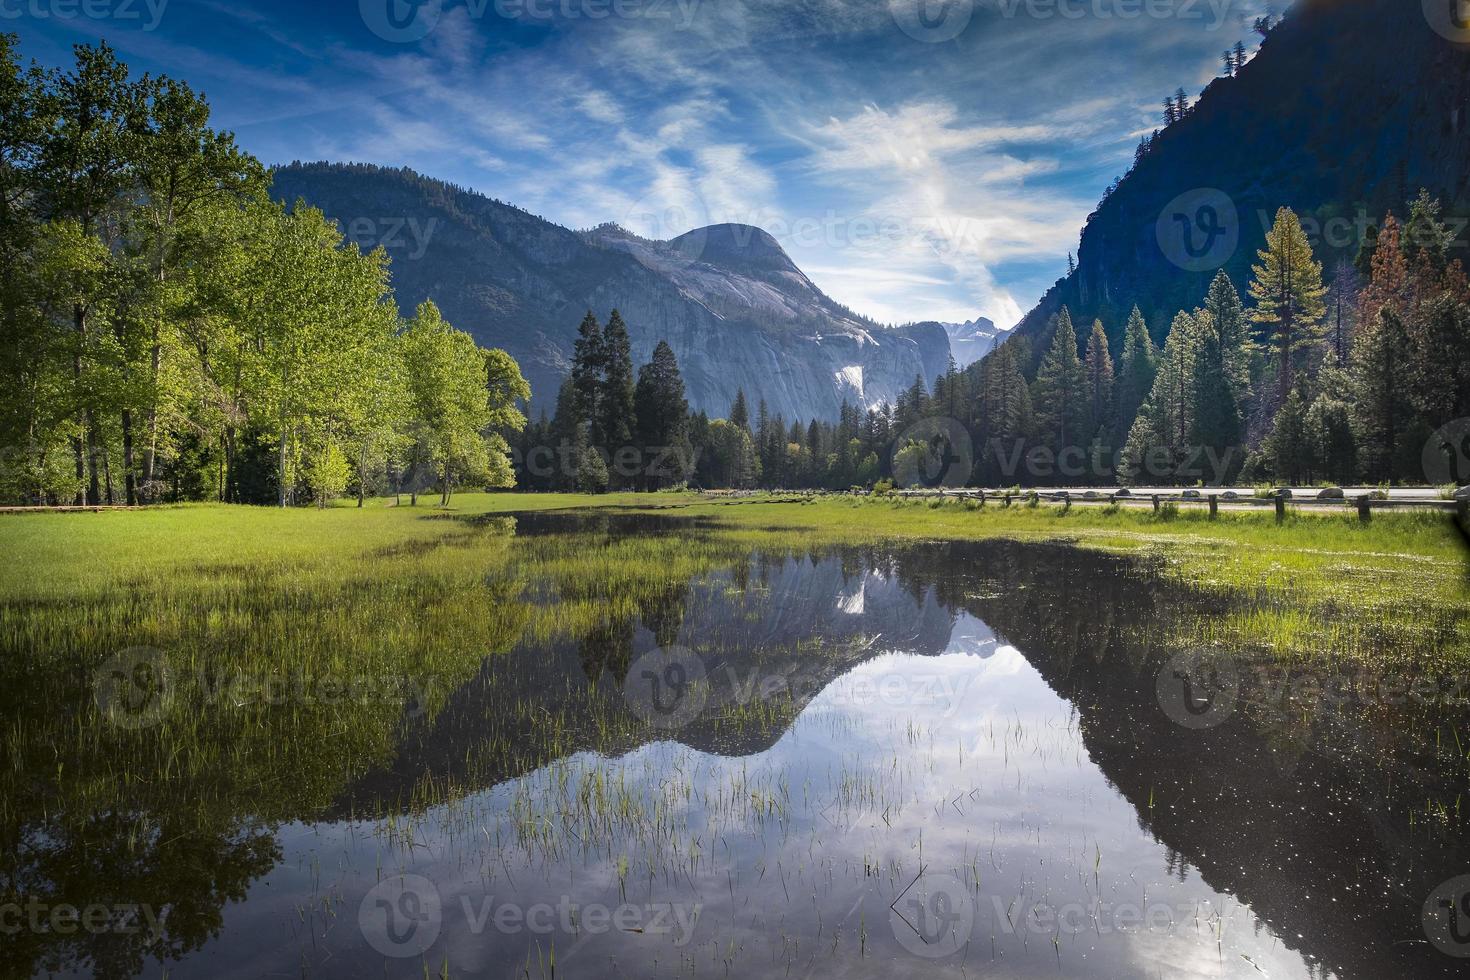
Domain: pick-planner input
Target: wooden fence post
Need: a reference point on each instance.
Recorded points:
(1214, 506)
(1156, 503)
(1280, 509)
(1365, 508)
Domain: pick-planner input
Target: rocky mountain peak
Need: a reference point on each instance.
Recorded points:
(742, 247)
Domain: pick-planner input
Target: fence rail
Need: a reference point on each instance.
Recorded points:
(1364, 504)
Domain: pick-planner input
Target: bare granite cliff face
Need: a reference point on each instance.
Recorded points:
(737, 311)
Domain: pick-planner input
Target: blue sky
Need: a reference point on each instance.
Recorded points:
(919, 159)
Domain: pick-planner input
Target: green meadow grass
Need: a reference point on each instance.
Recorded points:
(1320, 583)
(420, 601)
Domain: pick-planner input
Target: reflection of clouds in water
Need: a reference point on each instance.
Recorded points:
(972, 637)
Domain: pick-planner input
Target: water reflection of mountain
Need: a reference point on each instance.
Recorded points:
(1302, 814)
(776, 629)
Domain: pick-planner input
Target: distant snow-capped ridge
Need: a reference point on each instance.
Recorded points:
(972, 341)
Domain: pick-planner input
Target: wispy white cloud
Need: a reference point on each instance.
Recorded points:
(911, 180)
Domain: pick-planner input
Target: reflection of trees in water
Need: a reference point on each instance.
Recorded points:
(179, 816)
(183, 867)
(1299, 813)
(1300, 808)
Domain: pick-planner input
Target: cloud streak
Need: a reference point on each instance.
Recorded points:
(913, 180)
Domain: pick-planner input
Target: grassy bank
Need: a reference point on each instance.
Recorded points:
(1321, 584)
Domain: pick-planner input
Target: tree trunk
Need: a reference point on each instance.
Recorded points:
(107, 475)
(94, 484)
(80, 453)
(130, 480)
(155, 360)
(281, 468)
(78, 443)
(150, 449)
(227, 489)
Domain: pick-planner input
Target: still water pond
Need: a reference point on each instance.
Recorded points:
(949, 759)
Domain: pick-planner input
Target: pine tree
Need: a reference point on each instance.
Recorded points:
(740, 412)
(913, 403)
(615, 419)
(1288, 291)
(588, 364)
(1388, 275)
(1136, 370)
(1286, 448)
(568, 431)
(1437, 361)
(1101, 398)
(1232, 328)
(663, 420)
(1363, 261)
(1382, 414)
(1060, 391)
(1427, 239)
(1008, 412)
(1342, 306)
(1159, 440)
(1217, 422)
(1331, 444)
